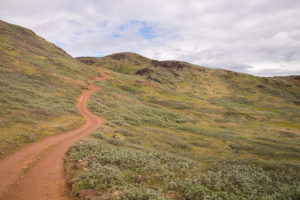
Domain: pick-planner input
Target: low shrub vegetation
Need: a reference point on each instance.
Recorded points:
(39, 85)
(130, 173)
(189, 132)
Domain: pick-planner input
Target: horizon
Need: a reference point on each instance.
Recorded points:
(259, 37)
(187, 62)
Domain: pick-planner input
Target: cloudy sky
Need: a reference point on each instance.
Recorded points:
(260, 37)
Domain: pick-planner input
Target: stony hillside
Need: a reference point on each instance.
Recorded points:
(39, 84)
(179, 131)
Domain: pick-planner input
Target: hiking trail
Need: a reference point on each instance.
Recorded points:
(36, 172)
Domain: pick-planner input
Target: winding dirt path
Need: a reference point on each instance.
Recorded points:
(36, 172)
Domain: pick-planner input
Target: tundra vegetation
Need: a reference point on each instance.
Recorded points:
(39, 85)
(173, 130)
(188, 132)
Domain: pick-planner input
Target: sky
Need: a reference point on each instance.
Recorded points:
(260, 37)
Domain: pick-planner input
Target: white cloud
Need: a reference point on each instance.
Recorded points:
(261, 37)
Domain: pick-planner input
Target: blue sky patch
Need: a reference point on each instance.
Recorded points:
(103, 23)
(60, 44)
(98, 54)
(122, 27)
(116, 35)
(147, 32)
(144, 29)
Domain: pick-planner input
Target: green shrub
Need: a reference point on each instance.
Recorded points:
(135, 193)
(98, 134)
(27, 138)
(115, 142)
(177, 143)
(99, 177)
(114, 167)
(182, 124)
(239, 181)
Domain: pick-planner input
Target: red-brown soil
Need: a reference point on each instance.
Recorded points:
(36, 172)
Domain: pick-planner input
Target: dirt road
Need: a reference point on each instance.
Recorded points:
(37, 172)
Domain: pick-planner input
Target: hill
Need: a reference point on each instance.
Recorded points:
(180, 131)
(39, 84)
(173, 130)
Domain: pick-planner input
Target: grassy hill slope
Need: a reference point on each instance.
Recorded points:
(39, 85)
(189, 132)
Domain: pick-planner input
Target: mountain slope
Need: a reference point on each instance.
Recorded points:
(189, 132)
(229, 95)
(173, 130)
(39, 85)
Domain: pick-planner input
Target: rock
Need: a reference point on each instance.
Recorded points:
(170, 64)
(297, 102)
(150, 78)
(136, 62)
(235, 146)
(87, 60)
(79, 149)
(81, 164)
(100, 106)
(144, 71)
(118, 56)
(174, 73)
(117, 136)
(230, 74)
(261, 86)
(138, 179)
(202, 70)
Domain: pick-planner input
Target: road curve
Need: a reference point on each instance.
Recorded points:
(36, 172)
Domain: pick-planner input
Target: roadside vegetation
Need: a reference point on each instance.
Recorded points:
(188, 132)
(39, 85)
(122, 170)
(173, 130)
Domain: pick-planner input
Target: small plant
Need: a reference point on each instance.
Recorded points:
(115, 142)
(99, 177)
(13, 141)
(27, 138)
(98, 134)
(139, 194)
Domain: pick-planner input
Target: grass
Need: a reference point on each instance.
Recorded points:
(114, 168)
(187, 132)
(39, 85)
(239, 141)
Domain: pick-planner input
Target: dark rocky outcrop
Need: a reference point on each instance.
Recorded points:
(87, 60)
(144, 71)
(170, 64)
(297, 78)
(261, 86)
(118, 56)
